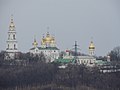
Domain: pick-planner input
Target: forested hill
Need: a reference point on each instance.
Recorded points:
(35, 74)
(42, 76)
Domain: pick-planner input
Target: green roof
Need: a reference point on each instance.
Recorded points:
(64, 60)
(46, 48)
(101, 62)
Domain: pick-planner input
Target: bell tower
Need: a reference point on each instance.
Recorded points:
(12, 44)
(91, 49)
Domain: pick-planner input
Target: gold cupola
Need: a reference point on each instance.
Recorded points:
(35, 43)
(91, 45)
(12, 25)
(92, 49)
(48, 38)
(48, 41)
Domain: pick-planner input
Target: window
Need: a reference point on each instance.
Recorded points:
(8, 46)
(36, 50)
(9, 36)
(81, 61)
(14, 46)
(13, 36)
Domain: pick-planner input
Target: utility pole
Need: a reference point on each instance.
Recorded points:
(75, 53)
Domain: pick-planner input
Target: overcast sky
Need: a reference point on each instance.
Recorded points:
(68, 21)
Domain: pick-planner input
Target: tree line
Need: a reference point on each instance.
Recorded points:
(47, 76)
(39, 75)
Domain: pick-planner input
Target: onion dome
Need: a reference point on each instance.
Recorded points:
(35, 43)
(91, 45)
(48, 39)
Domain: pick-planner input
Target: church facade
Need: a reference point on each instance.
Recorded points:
(48, 48)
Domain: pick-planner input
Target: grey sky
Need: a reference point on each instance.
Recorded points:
(69, 20)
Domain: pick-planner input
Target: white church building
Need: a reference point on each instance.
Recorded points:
(48, 48)
(88, 60)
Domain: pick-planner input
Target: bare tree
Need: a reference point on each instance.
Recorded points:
(115, 54)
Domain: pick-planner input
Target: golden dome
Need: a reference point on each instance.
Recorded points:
(48, 39)
(35, 43)
(91, 45)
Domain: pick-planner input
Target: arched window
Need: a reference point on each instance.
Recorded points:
(9, 36)
(14, 46)
(8, 46)
(13, 36)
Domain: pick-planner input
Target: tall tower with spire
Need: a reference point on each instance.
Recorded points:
(12, 44)
(91, 49)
